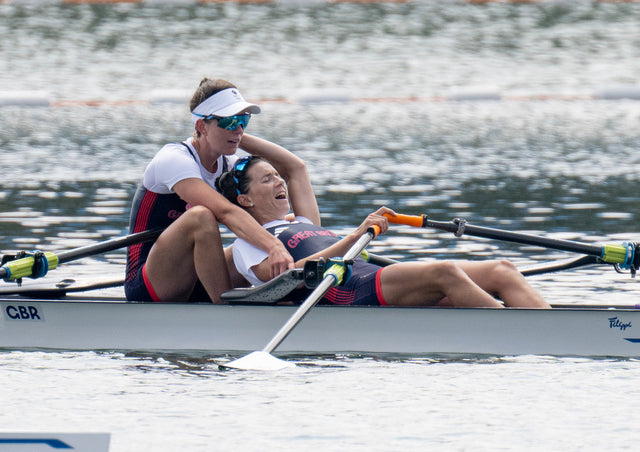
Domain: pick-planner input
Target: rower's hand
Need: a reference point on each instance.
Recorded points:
(279, 260)
(376, 219)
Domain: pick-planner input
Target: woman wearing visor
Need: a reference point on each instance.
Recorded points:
(187, 261)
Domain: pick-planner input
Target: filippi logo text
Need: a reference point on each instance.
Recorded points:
(615, 322)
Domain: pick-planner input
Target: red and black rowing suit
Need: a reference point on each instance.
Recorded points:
(302, 238)
(155, 204)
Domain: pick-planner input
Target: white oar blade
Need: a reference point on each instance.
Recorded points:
(258, 361)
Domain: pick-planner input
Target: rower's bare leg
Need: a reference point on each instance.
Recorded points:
(190, 248)
(427, 283)
(502, 279)
(237, 280)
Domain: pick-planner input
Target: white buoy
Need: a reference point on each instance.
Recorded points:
(320, 96)
(169, 96)
(24, 98)
(618, 92)
(474, 93)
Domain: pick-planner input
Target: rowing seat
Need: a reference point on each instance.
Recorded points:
(279, 287)
(270, 292)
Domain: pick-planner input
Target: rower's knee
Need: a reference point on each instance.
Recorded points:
(201, 218)
(501, 274)
(200, 213)
(201, 225)
(503, 268)
(448, 273)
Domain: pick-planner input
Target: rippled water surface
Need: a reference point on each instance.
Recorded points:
(365, 93)
(342, 403)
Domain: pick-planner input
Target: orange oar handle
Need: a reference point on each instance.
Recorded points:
(410, 220)
(375, 230)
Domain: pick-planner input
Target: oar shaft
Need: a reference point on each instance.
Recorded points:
(317, 294)
(558, 266)
(297, 316)
(22, 267)
(609, 253)
(109, 245)
(517, 237)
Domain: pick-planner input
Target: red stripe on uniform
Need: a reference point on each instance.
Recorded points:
(339, 296)
(142, 221)
(381, 299)
(147, 283)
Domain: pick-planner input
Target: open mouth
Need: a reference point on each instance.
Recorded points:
(281, 195)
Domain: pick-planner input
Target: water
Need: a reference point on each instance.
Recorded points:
(342, 403)
(562, 168)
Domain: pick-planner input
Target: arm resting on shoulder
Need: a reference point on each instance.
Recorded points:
(292, 169)
(197, 192)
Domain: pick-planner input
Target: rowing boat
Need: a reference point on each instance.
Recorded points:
(108, 323)
(59, 319)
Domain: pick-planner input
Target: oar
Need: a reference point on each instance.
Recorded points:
(264, 360)
(382, 261)
(24, 267)
(626, 256)
(558, 266)
(540, 269)
(59, 289)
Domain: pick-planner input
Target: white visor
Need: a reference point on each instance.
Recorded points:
(227, 102)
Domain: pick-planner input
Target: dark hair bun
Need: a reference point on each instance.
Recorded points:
(228, 187)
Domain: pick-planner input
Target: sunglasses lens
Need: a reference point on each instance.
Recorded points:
(241, 164)
(238, 168)
(233, 122)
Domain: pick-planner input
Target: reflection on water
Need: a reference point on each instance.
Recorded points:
(200, 365)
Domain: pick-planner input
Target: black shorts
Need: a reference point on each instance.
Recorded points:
(358, 290)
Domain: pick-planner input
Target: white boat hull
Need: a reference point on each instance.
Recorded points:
(98, 325)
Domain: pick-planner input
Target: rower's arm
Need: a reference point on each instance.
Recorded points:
(375, 219)
(197, 192)
(262, 270)
(292, 169)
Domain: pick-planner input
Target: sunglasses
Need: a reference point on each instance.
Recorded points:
(239, 167)
(242, 163)
(229, 122)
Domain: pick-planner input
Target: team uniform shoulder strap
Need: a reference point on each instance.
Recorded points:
(189, 149)
(225, 159)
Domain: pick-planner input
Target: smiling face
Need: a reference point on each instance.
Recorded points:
(267, 192)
